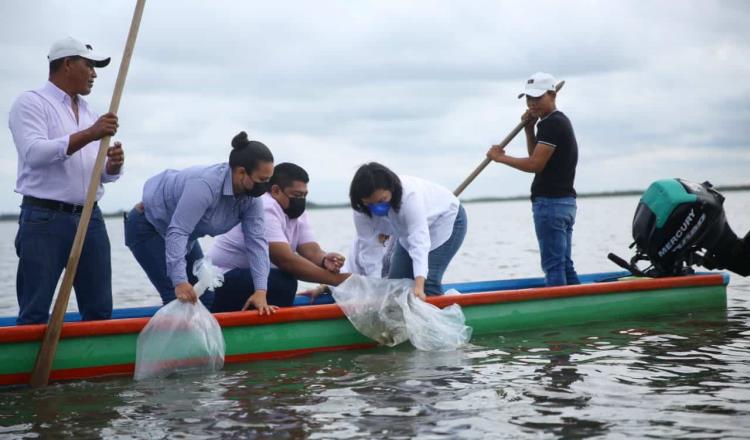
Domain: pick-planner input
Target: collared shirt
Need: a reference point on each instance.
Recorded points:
(191, 203)
(41, 122)
(365, 259)
(228, 252)
(423, 223)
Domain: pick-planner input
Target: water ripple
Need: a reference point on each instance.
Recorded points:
(674, 377)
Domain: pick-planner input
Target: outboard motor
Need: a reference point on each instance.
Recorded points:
(678, 224)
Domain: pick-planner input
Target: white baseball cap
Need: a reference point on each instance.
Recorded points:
(539, 84)
(70, 47)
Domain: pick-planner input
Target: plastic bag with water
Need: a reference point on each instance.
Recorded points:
(388, 312)
(182, 337)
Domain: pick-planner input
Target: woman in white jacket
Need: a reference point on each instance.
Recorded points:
(426, 219)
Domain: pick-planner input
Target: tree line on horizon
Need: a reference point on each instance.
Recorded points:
(313, 205)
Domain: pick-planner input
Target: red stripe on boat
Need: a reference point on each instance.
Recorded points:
(332, 311)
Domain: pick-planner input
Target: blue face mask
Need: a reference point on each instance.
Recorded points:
(379, 209)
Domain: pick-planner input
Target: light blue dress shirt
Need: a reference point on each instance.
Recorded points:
(191, 203)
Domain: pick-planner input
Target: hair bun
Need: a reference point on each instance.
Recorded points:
(240, 141)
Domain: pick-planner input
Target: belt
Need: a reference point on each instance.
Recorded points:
(54, 205)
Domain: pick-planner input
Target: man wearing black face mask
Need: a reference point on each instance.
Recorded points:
(294, 253)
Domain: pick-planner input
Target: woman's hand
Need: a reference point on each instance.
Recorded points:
(185, 293)
(333, 261)
(315, 292)
(258, 301)
(419, 288)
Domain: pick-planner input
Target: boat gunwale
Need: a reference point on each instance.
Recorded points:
(35, 332)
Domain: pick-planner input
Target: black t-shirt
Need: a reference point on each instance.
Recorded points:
(556, 179)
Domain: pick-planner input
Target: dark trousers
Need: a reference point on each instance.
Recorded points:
(45, 237)
(149, 249)
(238, 286)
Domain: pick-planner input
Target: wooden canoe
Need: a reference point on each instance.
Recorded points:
(103, 348)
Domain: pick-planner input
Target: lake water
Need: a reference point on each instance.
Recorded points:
(676, 377)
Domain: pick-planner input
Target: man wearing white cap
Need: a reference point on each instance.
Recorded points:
(553, 156)
(55, 133)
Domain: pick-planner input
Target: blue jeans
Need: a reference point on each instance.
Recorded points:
(437, 260)
(238, 286)
(149, 249)
(45, 237)
(553, 220)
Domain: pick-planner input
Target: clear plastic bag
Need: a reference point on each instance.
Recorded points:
(431, 328)
(209, 276)
(388, 312)
(182, 337)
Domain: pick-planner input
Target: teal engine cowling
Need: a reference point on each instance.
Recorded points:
(678, 224)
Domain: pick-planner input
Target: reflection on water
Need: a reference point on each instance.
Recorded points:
(676, 377)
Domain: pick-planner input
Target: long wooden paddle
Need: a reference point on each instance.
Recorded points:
(46, 354)
(502, 144)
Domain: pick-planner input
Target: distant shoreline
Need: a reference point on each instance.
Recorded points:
(312, 205)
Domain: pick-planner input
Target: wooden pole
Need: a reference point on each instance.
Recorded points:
(46, 354)
(487, 160)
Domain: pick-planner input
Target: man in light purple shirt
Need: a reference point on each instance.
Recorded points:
(56, 133)
(293, 251)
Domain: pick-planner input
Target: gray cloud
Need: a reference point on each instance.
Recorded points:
(652, 88)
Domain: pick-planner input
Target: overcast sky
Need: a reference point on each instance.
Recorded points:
(654, 89)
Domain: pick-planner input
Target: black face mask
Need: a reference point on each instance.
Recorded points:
(296, 207)
(259, 188)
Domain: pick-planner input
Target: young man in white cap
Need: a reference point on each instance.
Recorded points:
(55, 133)
(553, 156)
